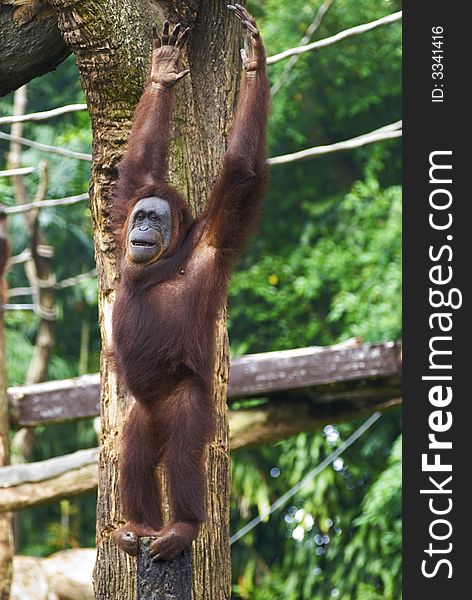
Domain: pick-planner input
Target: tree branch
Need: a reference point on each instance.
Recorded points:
(33, 45)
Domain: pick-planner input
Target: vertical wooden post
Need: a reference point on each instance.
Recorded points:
(6, 529)
(163, 580)
(38, 268)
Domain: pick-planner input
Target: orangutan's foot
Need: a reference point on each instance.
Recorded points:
(127, 537)
(172, 540)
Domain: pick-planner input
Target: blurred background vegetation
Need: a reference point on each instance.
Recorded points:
(325, 266)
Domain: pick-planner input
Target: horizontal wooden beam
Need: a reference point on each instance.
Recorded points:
(55, 401)
(23, 486)
(43, 470)
(71, 483)
(291, 373)
(304, 368)
(276, 421)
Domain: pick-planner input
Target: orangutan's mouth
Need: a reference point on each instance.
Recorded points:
(143, 244)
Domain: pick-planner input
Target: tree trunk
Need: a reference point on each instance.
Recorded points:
(38, 269)
(6, 529)
(112, 43)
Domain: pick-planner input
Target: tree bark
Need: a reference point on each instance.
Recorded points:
(6, 530)
(112, 43)
(156, 582)
(31, 43)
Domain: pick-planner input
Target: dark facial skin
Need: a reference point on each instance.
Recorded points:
(149, 230)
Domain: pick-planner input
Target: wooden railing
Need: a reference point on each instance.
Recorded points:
(297, 390)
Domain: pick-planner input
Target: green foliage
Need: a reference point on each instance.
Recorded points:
(348, 515)
(68, 228)
(341, 280)
(326, 266)
(69, 523)
(378, 534)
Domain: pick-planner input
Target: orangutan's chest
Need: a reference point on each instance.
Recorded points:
(187, 285)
